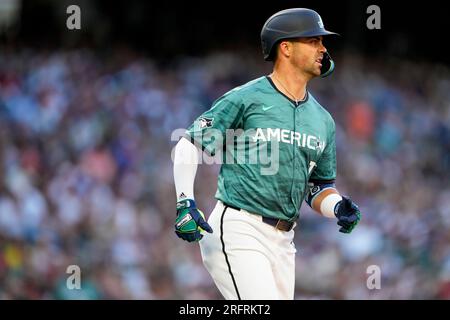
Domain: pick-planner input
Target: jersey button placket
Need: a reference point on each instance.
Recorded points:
(294, 158)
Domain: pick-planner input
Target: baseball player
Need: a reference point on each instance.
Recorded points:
(247, 243)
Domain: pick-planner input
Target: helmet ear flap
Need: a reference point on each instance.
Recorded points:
(327, 65)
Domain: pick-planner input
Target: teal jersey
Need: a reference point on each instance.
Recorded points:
(270, 147)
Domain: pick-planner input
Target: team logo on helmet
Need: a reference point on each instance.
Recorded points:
(320, 23)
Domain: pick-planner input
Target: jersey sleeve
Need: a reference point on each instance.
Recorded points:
(209, 130)
(325, 172)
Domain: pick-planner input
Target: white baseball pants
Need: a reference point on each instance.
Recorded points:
(247, 258)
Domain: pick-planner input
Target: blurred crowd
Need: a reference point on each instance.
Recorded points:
(86, 176)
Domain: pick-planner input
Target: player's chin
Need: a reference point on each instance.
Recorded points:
(318, 68)
(316, 71)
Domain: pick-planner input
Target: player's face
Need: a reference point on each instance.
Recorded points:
(307, 54)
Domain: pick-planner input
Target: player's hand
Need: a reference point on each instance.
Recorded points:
(348, 215)
(190, 221)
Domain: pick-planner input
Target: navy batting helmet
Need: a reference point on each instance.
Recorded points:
(294, 23)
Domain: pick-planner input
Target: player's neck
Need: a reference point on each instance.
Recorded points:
(290, 83)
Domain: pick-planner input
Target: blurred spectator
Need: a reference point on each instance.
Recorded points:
(86, 176)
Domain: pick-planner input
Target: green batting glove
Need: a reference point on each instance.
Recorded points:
(190, 221)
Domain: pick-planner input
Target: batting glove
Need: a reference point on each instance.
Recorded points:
(190, 221)
(348, 215)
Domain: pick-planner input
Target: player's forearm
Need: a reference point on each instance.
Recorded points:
(325, 202)
(185, 169)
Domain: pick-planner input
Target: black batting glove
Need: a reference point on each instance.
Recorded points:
(348, 215)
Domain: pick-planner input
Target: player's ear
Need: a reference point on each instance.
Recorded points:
(285, 49)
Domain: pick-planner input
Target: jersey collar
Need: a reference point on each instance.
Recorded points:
(292, 101)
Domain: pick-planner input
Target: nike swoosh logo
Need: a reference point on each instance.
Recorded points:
(267, 108)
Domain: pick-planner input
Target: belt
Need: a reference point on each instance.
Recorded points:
(279, 224)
